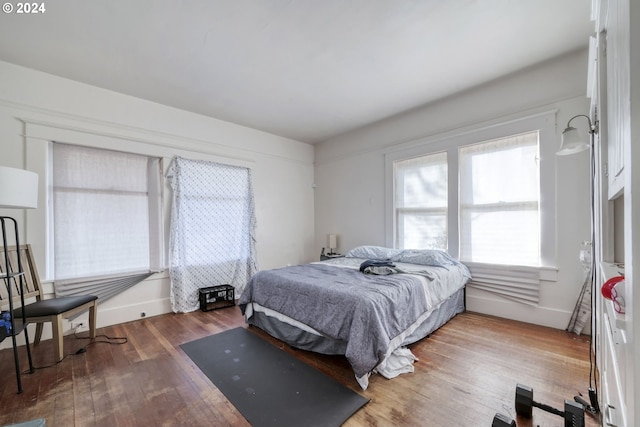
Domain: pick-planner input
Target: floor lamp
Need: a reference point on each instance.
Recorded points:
(18, 190)
(573, 143)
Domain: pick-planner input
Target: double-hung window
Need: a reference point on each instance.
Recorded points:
(486, 197)
(420, 204)
(106, 218)
(499, 201)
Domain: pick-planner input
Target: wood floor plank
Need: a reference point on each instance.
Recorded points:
(64, 405)
(466, 373)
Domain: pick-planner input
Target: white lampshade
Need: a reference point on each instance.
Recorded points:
(571, 142)
(18, 188)
(333, 239)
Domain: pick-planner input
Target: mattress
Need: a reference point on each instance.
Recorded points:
(333, 308)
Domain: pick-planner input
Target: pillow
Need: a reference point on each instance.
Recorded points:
(432, 257)
(372, 252)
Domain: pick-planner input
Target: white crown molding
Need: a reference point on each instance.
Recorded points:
(33, 115)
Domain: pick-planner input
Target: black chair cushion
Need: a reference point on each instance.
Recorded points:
(53, 306)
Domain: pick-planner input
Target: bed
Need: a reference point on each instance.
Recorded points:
(367, 305)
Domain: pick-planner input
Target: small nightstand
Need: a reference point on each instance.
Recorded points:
(324, 257)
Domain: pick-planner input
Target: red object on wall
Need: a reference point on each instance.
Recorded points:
(609, 285)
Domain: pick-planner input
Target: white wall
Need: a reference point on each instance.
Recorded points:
(46, 107)
(349, 170)
(350, 178)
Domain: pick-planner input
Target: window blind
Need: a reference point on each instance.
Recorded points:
(518, 283)
(106, 219)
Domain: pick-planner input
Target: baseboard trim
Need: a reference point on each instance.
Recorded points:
(106, 317)
(122, 314)
(544, 316)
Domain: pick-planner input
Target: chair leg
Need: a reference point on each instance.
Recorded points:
(38, 337)
(93, 317)
(58, 337)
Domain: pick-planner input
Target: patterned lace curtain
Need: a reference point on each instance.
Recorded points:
(212, 240)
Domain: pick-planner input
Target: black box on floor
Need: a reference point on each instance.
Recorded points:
(215, 297)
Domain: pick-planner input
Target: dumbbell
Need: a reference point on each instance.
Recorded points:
(501, 420)
(573, 413)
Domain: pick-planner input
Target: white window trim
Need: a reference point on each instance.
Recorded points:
(38, 148)
(396, 210)
(38, 134)
(155, 178)
(544, 122)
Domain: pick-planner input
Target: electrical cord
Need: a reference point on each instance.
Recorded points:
(99, 339)
(593, 355)
(107, 340)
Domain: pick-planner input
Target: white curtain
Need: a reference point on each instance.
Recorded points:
(212, 240)
(106, 219)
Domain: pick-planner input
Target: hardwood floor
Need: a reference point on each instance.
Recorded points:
(467, 372)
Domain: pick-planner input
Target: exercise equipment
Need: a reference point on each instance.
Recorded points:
(501, 420)
(587, 407)
(573, 413)
(593, 398)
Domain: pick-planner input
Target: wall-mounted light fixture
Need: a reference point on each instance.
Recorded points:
(572, 142)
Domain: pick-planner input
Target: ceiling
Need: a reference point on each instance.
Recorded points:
(303, 69)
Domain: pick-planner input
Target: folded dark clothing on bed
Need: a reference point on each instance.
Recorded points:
(377, 266)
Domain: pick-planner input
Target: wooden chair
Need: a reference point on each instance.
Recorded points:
(43, 310)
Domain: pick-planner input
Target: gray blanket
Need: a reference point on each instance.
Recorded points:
(365, 311)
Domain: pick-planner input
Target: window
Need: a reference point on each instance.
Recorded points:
(487, 196)
(499, 187)
(106, 212)
(421, 202)
(212, 229)
(499, 201)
